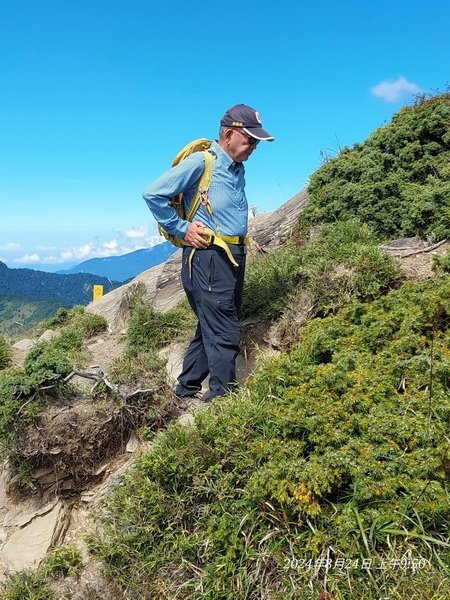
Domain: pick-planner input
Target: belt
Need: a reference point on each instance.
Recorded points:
(238, 240)
(222, 241)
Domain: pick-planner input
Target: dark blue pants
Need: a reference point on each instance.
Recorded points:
(214, 290)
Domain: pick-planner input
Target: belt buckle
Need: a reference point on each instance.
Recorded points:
(208, 237)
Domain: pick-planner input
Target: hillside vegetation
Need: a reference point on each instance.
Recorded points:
(24, 392)
(326, 476)
(397, 181)
(18, 315)
(338, 450)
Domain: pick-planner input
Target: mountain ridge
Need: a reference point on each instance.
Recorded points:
(125, 266)
(39, 285)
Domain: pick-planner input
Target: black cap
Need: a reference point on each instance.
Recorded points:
(247, 118)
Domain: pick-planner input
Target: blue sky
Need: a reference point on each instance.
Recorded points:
(97, 97)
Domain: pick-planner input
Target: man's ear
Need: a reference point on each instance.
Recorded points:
(228, 134)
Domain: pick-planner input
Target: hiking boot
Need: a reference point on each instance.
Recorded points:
(186, 401)
(209, 397)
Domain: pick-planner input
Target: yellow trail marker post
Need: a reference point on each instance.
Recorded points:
(97, 292)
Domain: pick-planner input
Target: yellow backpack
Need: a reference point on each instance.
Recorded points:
(201, 195)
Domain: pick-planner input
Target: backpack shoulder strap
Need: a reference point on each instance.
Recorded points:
(201, 195)
(199, 145)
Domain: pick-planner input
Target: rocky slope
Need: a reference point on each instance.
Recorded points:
(29, 526)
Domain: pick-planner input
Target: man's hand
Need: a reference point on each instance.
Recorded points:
(194, 235)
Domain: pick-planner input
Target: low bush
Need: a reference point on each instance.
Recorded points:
(5, 353)
(398, 180)
(340, 264)
(144, 369)
(29, 585)
(151, 330)
(18, 400)
(23, 392)
(441, 264)
(62, 561)
(77, 319)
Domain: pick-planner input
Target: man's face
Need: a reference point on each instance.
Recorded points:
(240, 145)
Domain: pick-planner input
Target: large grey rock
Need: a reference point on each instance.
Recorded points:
(18, 517)
(411, 243)
(270, 229)
(49, 334)
(26, 547)
(24, 345)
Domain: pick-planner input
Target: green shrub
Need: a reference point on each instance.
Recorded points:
(397, 181)
(62, 561)
(441, 264)
(30, 585)
(22, 391)
(47, 362)
(77, 319)
(150, 330)
(54, 359)
(337, 449)
(60, 318)
(18, 400)
(5, 353)
(145, 369)
(340, 264)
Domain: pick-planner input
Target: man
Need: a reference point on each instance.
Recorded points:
(213, 284)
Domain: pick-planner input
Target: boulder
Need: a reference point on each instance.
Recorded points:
(26, 547)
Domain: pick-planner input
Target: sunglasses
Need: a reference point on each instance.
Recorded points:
(251, 141)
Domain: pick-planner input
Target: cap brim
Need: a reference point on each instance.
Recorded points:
(259, 134)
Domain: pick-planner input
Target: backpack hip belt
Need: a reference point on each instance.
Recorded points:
(221, 241)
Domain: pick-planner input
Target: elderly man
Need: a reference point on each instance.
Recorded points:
(213, 284)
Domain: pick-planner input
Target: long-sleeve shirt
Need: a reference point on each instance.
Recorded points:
(226, 195)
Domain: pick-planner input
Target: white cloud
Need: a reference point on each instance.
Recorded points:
(76, 253)
(112, 245)
(10, 246)
(123, 242)
(28, 258)
(137, 232)
(391, 91)
(46, 248)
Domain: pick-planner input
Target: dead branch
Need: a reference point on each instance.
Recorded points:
(100, 377)
(137, 393)
(420, 251)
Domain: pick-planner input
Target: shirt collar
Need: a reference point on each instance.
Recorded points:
(225, 158)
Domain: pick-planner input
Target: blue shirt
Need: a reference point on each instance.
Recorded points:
(226, 195)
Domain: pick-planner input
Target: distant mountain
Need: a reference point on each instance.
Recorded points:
(66, 290)
(126, 266)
